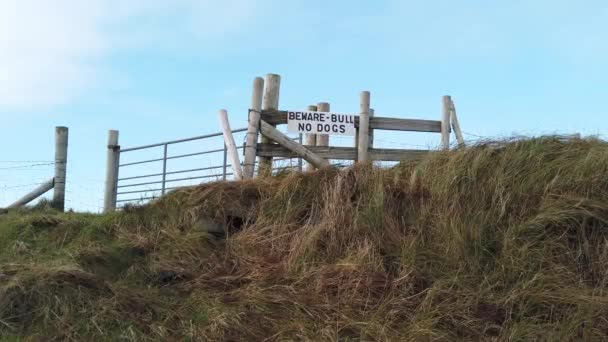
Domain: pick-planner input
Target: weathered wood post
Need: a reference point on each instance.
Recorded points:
(311, 139)
(112, 160)
(371, 130)
(456, 124)
(230, 145)
(253, 129)
(323, 139)
(61, 160)
(363, 146)
(269, 102)
(445, 123)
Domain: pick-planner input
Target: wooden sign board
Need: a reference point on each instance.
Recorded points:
(321, 123)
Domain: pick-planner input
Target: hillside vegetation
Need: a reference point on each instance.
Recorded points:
(499, 242)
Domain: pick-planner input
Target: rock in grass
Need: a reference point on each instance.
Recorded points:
(208, 226)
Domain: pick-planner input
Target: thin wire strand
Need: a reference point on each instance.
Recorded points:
(26, 161)
(19, 186)
(21, 167)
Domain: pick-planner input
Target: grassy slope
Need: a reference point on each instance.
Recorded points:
(499, 242)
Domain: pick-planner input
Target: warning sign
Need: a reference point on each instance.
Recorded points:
(321, 123)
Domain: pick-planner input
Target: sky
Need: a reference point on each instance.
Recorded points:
(160, 70)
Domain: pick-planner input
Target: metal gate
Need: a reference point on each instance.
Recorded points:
(149, 171)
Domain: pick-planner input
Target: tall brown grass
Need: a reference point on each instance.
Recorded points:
(501, 241)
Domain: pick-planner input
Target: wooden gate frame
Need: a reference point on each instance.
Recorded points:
(264, 116)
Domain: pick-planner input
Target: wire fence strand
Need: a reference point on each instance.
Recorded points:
(29, 166)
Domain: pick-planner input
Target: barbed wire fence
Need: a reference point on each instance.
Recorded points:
(84, 193)
(18, 177)
(30, 180)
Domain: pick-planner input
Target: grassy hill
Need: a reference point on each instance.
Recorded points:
(503, 241)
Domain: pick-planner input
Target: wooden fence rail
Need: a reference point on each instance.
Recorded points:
(341, 153)
(317, 150)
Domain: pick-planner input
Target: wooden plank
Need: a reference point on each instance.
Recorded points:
(343, 153)
(382, 123)
(410, 125)
(286, 142)
(275, 117)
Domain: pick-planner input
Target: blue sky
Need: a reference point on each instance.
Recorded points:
(159, 70)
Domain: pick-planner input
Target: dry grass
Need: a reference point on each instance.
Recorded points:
(503, 241)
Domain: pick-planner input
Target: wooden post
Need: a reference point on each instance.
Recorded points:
(363, 147)
(112, 161)
(230, 145)
(300, 160)
(456, 124)
(39, 191)
(371, 131)
(323, 139)
(269, 102)
(61, 159)
(445, 123)
(274, 134)
(311, 139)
(253, 129)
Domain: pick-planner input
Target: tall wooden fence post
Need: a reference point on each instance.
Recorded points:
(363, 147)
(253, 129)
(323, 139)
(61, 160)
(270, 102)
(445, 123)
(112, 162)
(311, 139)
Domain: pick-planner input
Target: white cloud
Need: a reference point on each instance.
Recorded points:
(46, 50)
(53, 51)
